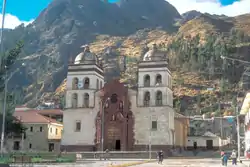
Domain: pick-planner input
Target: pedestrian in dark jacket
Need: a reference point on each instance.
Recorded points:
(160, 157)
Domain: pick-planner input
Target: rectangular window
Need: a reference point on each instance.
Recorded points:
(30, 146)
(78, 126)
(24, 135)
(154, 125)
(31, 128)
(41, 129)
(56, 131)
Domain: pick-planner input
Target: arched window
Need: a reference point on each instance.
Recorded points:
(146, 101)
(158, 79)
(158, 98)
(86, 83)
(74, 100)
(75, 83)
(100, 84)
(97, 84)
(146, 80)
(121, 105)
(86, 100)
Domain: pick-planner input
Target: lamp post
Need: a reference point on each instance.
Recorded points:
(4, 104)
(103, 119)
(2, 29)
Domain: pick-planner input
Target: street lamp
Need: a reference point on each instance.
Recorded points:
(2, 29)
(103, 119)
(4, 104)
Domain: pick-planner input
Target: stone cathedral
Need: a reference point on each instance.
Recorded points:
(133, 118)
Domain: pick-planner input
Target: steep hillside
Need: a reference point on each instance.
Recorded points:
(56, 35)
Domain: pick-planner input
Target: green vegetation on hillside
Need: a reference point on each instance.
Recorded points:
(9, 59)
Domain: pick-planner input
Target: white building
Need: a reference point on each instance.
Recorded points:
(207, 141)
(133, 118)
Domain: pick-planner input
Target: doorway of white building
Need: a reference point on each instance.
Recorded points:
(195, 145)
(209, 144)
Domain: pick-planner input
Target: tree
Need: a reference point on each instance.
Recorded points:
(9, 59)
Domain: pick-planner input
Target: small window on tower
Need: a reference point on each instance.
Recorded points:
(158, 80)
(146, 80)
(86, 83)
(86, 100)
(75, 83)
(146, 101)
(78, 126)
(154, 125)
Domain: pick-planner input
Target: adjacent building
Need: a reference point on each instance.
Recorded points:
(42, 133)
(181, 126)
(222, 127)
(207, 141)
(133, 118)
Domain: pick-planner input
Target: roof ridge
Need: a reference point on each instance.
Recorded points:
(50, 120)
(44, 117)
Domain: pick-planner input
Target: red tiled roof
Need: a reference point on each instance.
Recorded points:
(50, 112)
(33, 117)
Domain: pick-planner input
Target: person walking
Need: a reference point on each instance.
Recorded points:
(160, 157)
(234, 157)
(225, 159)
(221, 155)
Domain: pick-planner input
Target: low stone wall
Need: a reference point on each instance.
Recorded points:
(203, 148)
(117, 155)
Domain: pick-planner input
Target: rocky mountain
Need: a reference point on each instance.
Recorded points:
(59, 31)
(189, 16)
(55, 37)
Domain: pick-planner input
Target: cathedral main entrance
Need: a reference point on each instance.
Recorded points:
(118, 119)
(113, 139)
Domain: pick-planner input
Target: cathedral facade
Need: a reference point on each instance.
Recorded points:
(133, 119)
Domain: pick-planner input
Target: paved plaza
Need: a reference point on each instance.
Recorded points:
(167, 163)
(189, 163)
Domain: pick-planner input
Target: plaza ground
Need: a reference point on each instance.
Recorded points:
(208, 162)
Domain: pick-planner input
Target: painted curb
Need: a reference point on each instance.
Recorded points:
(132, 163)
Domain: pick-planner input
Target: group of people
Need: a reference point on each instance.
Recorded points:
(225, 157)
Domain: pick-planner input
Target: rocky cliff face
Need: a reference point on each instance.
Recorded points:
(59, 31)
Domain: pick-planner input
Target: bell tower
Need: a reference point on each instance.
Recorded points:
(155, 101)
(85, 77)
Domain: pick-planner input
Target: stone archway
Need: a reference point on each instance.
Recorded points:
(119, 132)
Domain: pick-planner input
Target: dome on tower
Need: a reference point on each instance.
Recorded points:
(154, 54)
(85, 57)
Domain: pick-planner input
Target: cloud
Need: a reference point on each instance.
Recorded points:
(12, 21)
(212, 6)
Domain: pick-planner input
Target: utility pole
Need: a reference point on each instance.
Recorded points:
(2, 31)
(150, 139)
(238, 130)
(221, 122)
